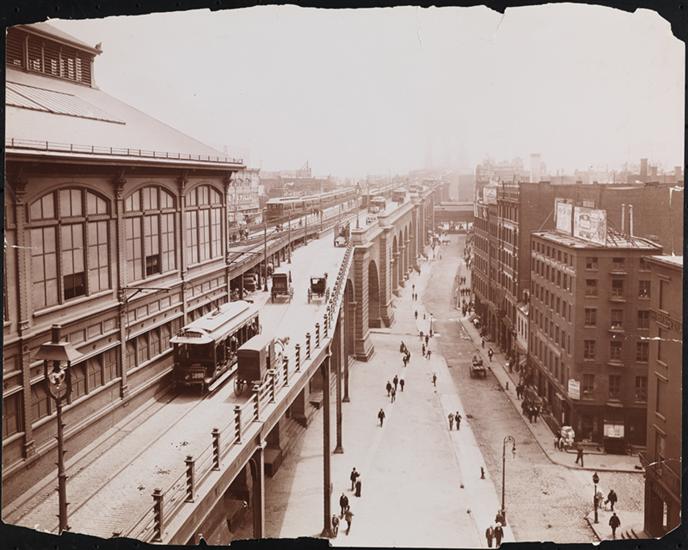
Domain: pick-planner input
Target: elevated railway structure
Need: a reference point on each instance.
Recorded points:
(208, 460)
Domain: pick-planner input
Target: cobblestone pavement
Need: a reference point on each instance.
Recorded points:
(544, 501)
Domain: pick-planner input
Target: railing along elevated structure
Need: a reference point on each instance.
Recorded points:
(177, 509)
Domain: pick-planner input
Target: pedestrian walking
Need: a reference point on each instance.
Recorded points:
(482, 343)
(394, 395)
(381, 418)
(401, 383)
(413, 287)
(395, 380)
(457, 419)
(422, 349)
(579, 455)
(428, 354)
(489, 535)
(434, 379)
(611, 499)
(354, 474)
(421, 335)
(415, 314)
(427, 338)
(335, 525)
(388, 387)
(401, 347)
(358, 488)
(451, 421)
(348, 517)
(614, 523)
(343, 504)
(498, 534)
(490, 353)
(557, 441)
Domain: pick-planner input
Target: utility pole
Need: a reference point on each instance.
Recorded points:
(265, 255)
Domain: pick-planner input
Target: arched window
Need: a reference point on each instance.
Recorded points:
(149, 233)
(70, 255)
(203, 239)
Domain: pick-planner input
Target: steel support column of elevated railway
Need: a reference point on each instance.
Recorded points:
(257, 465)
(339, 359)
(327, 492)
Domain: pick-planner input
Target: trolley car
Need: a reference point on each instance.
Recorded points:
(281, 208)
(256, 358)
(206, 349)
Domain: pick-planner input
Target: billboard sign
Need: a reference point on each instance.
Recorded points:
(614, 431)
(590, 224)
(490, 194)
(564, 216)
(574, 389)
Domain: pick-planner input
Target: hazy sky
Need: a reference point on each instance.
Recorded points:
(378, 90)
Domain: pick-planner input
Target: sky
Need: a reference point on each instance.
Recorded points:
(388, 90)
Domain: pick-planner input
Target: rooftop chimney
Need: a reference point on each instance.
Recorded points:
(643, 168)
(630, 220)
(623, 218)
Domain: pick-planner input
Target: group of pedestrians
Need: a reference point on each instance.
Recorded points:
(405, 354)
(530, 410)
(391, 387)
(345, 512)
(454, 418)
(414, 296)
(496, 533)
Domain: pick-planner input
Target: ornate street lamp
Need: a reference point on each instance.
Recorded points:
(59, 383)
(595, 481)
(507, 439)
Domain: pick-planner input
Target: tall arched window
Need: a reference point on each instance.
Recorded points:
(149, 233)
(70, 254)
(203, 239)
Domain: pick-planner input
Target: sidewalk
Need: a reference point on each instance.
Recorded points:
(631, 525)
(540, 430)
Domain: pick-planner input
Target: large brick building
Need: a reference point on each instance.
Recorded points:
(662, 460)
(115, 227)
(589, 321)
(506, 215)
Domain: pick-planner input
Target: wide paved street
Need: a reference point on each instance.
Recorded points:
(421, 483)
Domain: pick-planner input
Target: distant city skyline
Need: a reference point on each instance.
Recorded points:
(358, 92)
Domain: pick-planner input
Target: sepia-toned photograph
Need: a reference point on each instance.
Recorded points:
(390, 277)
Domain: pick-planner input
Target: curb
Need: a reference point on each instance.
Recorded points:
(546, 452)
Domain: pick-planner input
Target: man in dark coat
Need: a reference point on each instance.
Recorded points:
(388, 387)
(611, 499)
(489, 535)
(579, 455)
(381, 417)
(395, 380)
(457, 419)
(498, 534)
(358, 488)
(354, 476)
(343, 504)
(614, 523)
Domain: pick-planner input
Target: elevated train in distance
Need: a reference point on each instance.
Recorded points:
(282, 208)
(206, 349)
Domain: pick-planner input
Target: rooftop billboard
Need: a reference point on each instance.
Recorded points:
(590, 224)
(563, 212)
(490, 194)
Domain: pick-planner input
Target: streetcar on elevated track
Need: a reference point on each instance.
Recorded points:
(206, 349)
(282, 208)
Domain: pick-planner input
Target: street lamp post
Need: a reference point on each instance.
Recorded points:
(507, 439)
(59, 383)
(595, 481)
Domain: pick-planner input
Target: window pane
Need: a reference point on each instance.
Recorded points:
(44, 269)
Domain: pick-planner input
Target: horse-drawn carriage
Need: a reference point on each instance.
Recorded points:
(255, 358)
(281, 287)
(477, 368)
(318, 288)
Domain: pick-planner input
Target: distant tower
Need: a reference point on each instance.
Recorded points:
(643, 169)
(535, 167)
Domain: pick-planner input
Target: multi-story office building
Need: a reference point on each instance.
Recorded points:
(115, 228)
(662, 459)
(589, 322)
